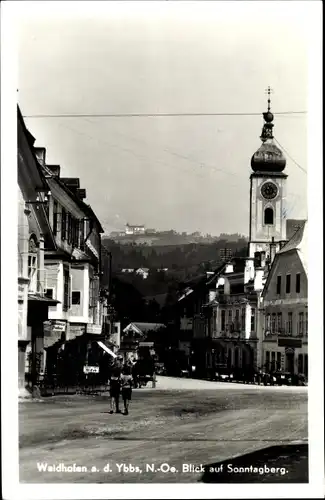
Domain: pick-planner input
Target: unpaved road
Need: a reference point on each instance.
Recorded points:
(181, 421)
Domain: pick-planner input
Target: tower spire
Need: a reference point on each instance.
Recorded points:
(269, 91)
(268, 118)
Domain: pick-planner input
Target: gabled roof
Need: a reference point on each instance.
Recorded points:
(298, 243)
(144, 327)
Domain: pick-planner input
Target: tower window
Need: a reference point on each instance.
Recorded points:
(268, 216)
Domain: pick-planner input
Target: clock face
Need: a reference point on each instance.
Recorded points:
(269, 190)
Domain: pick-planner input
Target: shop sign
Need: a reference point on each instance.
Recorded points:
(58, 326)
(91, 369)
(94, 329)
(146, 344)
(289, 342)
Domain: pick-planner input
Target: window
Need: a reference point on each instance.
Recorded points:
(82, 234)
(278, 360)
(66, 290)
(288, 283)
(253, 320)
(279, 322)
(278, 285)
(306, 365)
(243, 318)
(230, 325)
(306, 329)
(237, 325)
(48, 292)
(75, 298)
(273, 323)
(115, 329)
(55, 217)
(63, 224)
(301, 324)
(289, 329)
(268, 322)
(223, 320)
(32, 272)
(268, 216)
(267, 360)
(69, 225)
(298, 283)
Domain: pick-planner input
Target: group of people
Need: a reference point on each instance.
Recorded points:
(121, 382)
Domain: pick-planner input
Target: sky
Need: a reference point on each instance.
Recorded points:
(188, 173)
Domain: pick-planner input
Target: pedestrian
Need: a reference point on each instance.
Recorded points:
(114, 389)
(126, 384)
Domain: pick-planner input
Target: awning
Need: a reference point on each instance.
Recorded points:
(39, 298)
(103, 346)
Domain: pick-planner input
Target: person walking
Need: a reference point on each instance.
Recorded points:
(115, 389)
(126, 384)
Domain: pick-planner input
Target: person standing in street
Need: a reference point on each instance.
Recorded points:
(126, 384)
(115, 389)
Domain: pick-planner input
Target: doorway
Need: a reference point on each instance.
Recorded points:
(290, 365)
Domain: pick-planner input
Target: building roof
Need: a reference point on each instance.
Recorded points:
(144, 327)
(299, 242)
(292, 225)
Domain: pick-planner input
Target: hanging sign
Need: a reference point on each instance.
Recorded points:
(91, 369)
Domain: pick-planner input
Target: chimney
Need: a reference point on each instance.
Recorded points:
(81, 193)
(55, 169)
(272, 250)
(40, 154)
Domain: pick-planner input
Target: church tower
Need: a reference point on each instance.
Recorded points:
(267, 225)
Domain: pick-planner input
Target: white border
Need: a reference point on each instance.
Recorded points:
(11, 488)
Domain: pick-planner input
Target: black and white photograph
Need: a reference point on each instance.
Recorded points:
(161, 168)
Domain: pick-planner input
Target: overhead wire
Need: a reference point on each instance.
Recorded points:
(148, 115)
(292, 159)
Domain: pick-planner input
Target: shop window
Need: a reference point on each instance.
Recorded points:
(278, 360)
(306, 365)
(267, 360)
(279, 322)
(273, 323)
(268, 216)
(75, 300)
(300, 363)
(273, 363)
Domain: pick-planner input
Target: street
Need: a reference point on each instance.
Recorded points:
(182, 423)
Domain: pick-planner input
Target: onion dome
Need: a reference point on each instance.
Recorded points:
(268, 158)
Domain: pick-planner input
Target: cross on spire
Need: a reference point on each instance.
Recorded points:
(269, 91)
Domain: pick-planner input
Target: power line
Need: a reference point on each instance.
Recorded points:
(294, 161)
(158, 115)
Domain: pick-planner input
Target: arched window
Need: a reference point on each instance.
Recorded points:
(268, 216)
(32, 264)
